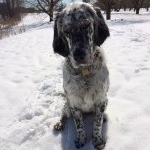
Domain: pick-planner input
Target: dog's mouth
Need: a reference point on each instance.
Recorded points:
(81, 65)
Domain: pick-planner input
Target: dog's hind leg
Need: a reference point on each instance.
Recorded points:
(65, 114)
(78, 120)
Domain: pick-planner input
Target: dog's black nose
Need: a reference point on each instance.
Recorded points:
(79, 56)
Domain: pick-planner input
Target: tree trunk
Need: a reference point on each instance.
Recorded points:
(108, 14)
(137, 10)
(13, 5)
(125, 8)
(51, 19)
(51, 10)
(51, 16)
(147, 8)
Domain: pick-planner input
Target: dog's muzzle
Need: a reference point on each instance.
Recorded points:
(79, 56)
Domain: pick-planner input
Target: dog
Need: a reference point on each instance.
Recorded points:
(79, 31)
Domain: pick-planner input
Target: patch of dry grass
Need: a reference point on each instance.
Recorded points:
(6, 27)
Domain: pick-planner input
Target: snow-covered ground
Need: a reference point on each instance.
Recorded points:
(31, 87)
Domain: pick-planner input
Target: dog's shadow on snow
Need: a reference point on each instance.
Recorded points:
(69, 134)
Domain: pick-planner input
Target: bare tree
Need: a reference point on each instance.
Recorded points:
(10, 8)
(137, 5)
(47, 6)
(146, 4)
(3, 10)
(13, 7)
(107, 5)
(123, 4)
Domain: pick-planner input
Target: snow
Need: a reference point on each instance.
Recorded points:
(31, 87)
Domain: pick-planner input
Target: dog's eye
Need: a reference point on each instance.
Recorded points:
(67, 31)
(85, 23)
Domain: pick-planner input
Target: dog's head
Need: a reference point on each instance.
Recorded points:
(77, 30)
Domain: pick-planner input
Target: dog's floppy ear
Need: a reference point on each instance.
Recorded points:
(101, 30)
(60, 45)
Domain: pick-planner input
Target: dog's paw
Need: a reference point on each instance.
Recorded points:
(59, 126)
(80, 142)
(98, 142)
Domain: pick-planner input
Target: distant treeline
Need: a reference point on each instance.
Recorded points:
(109, 5)
(122, 4)
(14, 8)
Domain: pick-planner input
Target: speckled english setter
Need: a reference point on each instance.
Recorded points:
(79, 31)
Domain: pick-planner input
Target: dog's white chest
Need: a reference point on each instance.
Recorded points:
(87, 104)
(83, 95)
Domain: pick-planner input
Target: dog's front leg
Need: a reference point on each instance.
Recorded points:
(78, 120)
(97, 140)
(65, 114)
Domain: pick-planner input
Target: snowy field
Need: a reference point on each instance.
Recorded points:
(31, 83)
